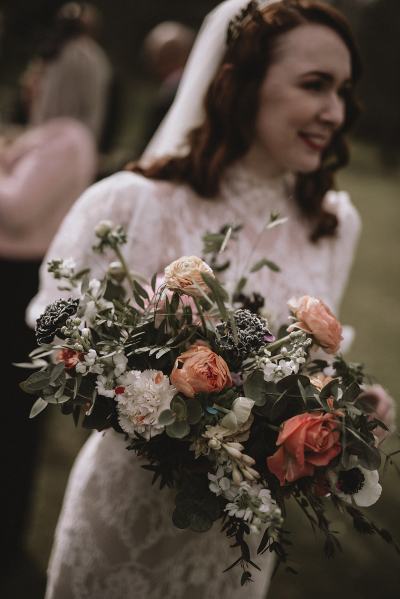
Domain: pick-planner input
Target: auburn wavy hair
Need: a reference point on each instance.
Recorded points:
(231, 106)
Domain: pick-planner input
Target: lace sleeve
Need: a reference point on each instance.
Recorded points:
(345, 243)
(122, 198)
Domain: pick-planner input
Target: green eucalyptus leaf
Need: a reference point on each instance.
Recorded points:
(36, 381)
(166, 418)
(331, 389)
(153, 282)
(38, 407)
(178, 405)
(200, 522)
(30, 365)
(194, 411)
(178, 430)
(255, 388)
(264, 262)
(181, 518)
(161, 352)
(241, 285)
(351, 393)
(57, 371)
(291, 383)
(140, 290)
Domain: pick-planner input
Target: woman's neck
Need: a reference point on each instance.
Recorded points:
(257, 163)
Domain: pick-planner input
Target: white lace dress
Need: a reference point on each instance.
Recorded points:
(115, 538)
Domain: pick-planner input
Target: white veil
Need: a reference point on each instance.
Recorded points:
(187, 110)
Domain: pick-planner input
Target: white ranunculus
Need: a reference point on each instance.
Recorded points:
(184, 275)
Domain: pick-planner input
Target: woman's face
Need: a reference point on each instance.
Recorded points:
(302, 98)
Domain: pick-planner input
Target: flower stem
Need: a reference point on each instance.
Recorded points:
(125, 267)
(277, 344)
(200, 313)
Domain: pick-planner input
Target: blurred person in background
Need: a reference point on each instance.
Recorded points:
(73, 76)
(42, 172)
(166, 49)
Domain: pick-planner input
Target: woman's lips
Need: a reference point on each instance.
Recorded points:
(315, 142)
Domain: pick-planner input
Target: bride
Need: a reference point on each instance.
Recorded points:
(257, 126)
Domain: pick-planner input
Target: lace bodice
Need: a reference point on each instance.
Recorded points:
(115, 538)
(165, 221)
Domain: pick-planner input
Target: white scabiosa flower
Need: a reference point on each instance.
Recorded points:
(146, 394)
(355, 483)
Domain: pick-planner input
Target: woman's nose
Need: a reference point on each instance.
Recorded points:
(333, 110)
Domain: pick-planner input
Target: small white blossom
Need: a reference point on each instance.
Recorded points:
(89, 364)
(254, 505)
(120, 362)
(219, 483)
(276, 371)
(67, 268)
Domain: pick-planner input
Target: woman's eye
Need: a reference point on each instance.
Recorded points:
(315, 85)
(345, 91)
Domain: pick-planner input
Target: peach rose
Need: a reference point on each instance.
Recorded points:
(305, 441)
(184, 275)
(200, 370)
(186, 300)
(382, 406)
(316, 318)
(70, 357)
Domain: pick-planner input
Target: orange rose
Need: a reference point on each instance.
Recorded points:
(200, 370)
(305, 441)
(70, 357)
(316, 318)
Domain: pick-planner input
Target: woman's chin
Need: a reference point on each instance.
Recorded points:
(308, 166)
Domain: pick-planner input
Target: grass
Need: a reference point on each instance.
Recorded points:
(372, 305)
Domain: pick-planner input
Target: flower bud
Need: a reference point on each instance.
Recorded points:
(234, 453)
(247, 475)
(214, 444)
(253, 472)
(238, 446)
(236, 475)
(248, 460)
(117, 271)
(103, 228)
(78, 347)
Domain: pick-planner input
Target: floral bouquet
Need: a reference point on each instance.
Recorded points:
(238, 421)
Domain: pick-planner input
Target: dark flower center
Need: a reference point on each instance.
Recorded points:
(351, 481)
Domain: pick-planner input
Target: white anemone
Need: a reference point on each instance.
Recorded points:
(355, 483)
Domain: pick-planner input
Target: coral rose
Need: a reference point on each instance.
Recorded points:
(200, 370)
(184, 275)
(316, 318)
(306, 441)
